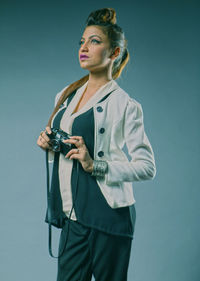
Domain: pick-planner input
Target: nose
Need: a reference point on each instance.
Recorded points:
(84, 47)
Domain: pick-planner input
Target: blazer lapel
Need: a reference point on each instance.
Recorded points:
(68, 116)
(100, 93)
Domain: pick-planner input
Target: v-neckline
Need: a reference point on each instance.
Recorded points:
(79, 101)
(111, 85)
(89, 100)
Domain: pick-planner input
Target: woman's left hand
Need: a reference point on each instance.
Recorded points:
(80, 153)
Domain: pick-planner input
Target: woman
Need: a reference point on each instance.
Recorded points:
(92, 183)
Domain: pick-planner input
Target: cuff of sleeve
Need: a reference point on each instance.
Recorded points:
(99, 168)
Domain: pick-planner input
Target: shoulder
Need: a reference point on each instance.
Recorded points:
(133, 109)
(124, 100)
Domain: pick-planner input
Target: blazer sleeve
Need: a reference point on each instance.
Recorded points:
(142, 163)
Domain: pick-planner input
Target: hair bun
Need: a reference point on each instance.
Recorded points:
(109, 15)
(105, 15)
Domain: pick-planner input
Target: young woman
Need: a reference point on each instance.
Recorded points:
(91, 193)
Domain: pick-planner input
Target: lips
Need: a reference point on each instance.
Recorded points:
(83, 57)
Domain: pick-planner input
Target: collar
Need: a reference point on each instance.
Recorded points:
(68, 116)
(100, 93)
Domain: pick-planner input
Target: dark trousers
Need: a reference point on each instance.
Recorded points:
(91, 252)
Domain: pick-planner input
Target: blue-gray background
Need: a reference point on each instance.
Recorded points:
(39, 44)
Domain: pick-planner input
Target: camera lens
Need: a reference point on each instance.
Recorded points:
(55, 145)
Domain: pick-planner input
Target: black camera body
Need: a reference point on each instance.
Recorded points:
(56, 141)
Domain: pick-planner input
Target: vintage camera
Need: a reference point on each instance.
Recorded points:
(56, 141)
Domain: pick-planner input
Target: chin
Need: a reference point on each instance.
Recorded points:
(84, 67)
(83, 64)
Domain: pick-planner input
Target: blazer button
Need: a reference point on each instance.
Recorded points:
(102, 130)
(99, 109)
(100, 153)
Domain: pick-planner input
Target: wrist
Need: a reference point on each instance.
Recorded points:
(90, 167)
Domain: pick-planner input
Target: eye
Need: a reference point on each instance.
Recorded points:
(95, 41)
(81, 42)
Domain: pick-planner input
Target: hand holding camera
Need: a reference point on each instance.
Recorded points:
(80, 153)
(53, 138)
(56, 141)
(73, 147)
(43, 139)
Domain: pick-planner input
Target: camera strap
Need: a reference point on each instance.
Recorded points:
(49, 209)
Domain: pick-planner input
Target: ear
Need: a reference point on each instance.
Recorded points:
(115, 53)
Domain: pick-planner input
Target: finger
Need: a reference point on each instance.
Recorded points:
(79, 138)
(77, 143)
(39, 142)
(72, 151)
(46, 146)
(48, 130)
(45, 137)
(44, 140)
(72, 141)
(43, 145)
(75, 156)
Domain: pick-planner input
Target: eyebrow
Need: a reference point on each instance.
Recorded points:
(92, 37)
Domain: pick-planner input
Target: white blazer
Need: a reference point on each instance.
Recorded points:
(121, 118)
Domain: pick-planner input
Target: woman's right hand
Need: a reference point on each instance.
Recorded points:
(43, 139)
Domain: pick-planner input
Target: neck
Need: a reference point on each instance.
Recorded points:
(97, 80)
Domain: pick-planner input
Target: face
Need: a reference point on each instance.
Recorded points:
(95, 52)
